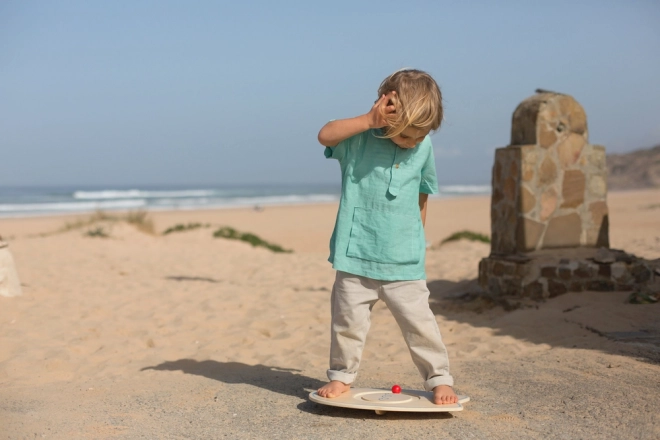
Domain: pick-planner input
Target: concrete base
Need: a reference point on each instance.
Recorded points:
(551, 272)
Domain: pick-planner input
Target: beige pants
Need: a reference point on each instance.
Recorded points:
(354, 296)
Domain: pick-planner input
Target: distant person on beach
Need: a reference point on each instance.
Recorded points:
(378, 244)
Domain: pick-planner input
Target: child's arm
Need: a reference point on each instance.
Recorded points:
(423, 198)
(334, 132)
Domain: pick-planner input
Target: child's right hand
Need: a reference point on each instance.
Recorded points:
(378, 115)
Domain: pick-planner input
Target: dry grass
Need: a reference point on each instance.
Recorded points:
(182, 227)
(466, 235)
(232, 234)
(139, 219)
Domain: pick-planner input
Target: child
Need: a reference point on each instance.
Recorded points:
(378, 245)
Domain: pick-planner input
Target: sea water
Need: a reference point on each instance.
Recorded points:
(35, 201)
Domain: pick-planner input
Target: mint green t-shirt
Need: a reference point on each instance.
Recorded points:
(378, 232)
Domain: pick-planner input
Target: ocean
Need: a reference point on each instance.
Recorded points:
(39, 201)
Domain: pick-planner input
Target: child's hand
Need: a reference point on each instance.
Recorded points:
(379, 113)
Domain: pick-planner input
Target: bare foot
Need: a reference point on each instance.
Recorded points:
(444, 395)
(333, 389)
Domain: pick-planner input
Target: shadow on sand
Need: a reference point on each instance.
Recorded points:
(464, 302)
(286, 381)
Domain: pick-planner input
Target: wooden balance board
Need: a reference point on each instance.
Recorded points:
(383, 401)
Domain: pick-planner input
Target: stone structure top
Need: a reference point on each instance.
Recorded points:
(546, 117)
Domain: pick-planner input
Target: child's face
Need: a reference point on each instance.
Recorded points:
(410, 137)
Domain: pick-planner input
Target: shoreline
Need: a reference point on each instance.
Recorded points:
(299, 226)
(246, 206)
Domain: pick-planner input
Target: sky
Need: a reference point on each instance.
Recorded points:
(233, 93)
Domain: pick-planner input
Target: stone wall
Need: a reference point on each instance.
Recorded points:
(547, 273)
(549, 185)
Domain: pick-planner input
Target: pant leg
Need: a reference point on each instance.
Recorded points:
(409, 303)
(353, 297)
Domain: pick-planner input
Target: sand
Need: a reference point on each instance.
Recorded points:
(187, 336)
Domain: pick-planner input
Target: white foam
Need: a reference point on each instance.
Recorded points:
(136, 193)
(466, 189)
(73, 206)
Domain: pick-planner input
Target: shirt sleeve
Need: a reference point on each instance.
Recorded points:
(429, 182)
(338, 151)
(343, 149)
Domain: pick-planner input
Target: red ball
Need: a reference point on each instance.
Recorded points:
(396, 389)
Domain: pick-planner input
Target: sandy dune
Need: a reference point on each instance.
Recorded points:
(187, 336)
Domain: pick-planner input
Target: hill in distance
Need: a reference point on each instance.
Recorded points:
(635, 170)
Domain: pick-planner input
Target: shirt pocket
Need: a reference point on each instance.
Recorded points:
(384, 237)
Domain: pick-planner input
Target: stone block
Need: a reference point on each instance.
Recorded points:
(600, 285)
(597, 186)
(576, 286)
(625, 258)
(509, 190)
(547, 136)
(528, 201)
(549, 272)
(564, 273)
(577, 118)
(584, 271)
(497, 269)
(514, 167)
(533, 290)
(604, 255)
(529, 158)
(528, 234)
(494, 286)
(511, 287)
(563, 231)
(573, 189)
(497, 196)
(556, 288)
(569, 150)
(618, 270)
(523, 124)
(548, 204)
(547, 171)
(604, 270)
(640, 272)
(509, 268)
(497, 169)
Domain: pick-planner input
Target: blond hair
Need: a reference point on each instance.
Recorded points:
(417, 102)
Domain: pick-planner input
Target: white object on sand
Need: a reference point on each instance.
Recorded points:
(383, 401)
(9, 283)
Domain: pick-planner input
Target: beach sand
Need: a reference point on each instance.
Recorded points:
(188, 336)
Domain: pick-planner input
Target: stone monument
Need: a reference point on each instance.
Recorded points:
(549, 218)
(9, 283)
